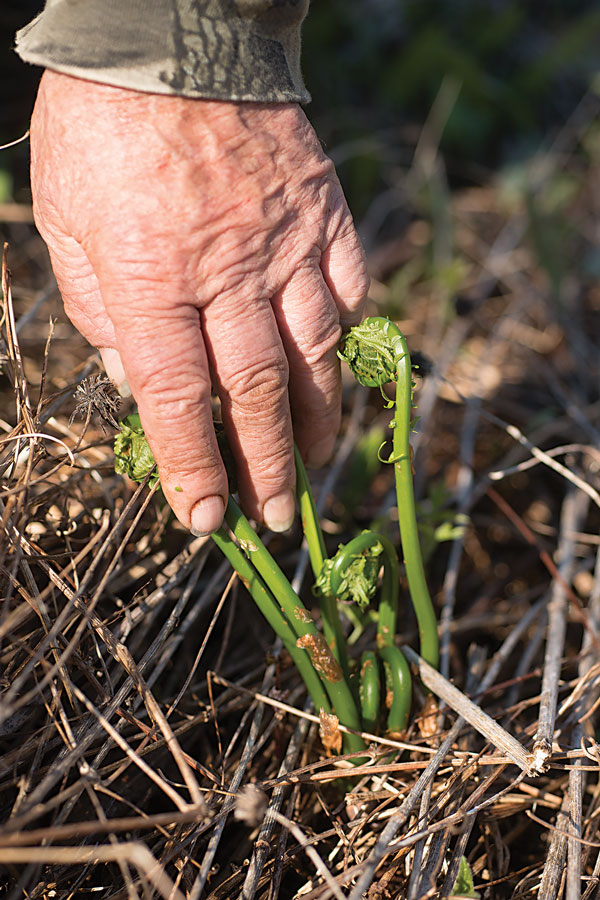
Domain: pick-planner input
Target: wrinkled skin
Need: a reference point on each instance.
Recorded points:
(197, 241)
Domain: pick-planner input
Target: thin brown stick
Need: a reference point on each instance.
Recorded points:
(470, 712)
(573, 511)
(136, 854)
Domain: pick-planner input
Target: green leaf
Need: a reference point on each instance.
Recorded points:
(463, 886)
(133, 456)
(452, 529)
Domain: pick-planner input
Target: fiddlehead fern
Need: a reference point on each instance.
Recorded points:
(377, 342)
(133, 456)
(377, 354)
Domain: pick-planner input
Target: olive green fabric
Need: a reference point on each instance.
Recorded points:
(216, 49)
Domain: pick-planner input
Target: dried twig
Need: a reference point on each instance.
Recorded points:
(234, 787)
(262, 843)
(573, 511)
(136, 854)
(469, 711)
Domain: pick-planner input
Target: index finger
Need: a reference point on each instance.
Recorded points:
(165, 362)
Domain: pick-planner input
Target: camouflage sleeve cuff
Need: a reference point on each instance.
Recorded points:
(212, 49)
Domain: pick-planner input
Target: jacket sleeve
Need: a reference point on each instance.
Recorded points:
(212, 49)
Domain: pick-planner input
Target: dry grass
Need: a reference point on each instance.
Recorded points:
(141, 691)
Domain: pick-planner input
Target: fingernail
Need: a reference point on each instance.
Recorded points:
(319, 453)
(279, 511)
(114, 369)
(207, 516)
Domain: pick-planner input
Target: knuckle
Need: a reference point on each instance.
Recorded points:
(360, 272)
(339, 218)
(357, 271)
(319, 339)
(183, 463)
(131, 285)
(259, 384)
(319, 424)
(322, 413)
(189, 467)
(355, 297)
(174, 399)
(186, 450)
(317, 390)
(273, 469)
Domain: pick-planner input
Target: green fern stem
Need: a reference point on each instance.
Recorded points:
(376, 353)
(308, 638)
(332, 627)
(267, 605)
(311, 526)
(398, 688)
(405, 498)
(369, 690)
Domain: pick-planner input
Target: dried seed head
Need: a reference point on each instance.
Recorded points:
(96, 394)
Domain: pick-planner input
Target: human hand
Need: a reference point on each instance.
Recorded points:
(197, 239)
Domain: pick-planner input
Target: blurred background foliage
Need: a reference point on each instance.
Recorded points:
(375, 67)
